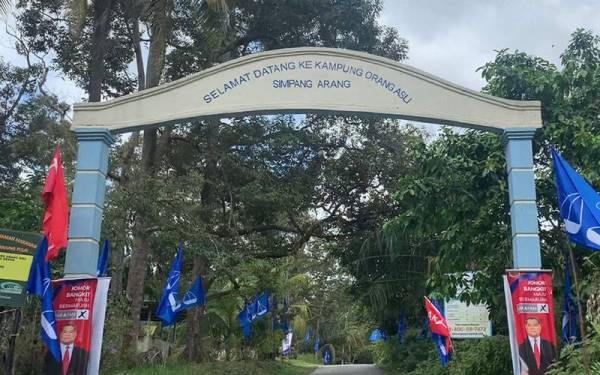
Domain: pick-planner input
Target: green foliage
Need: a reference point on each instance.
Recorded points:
(404, 357)
(571, 358)
(417, 356)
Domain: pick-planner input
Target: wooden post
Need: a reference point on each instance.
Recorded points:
(10, 354)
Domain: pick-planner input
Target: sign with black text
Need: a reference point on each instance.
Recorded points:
(16, 254)
(530, 312)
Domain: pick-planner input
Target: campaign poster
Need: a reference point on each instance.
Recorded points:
(16, 254)
(530, 311)
(98, 316)
(286, 343)
(73, 309)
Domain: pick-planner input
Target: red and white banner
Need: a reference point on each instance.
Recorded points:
(98, 316)
(73, 309)
(530, 312)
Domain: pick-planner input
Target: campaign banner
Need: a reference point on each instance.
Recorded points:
(73, 310)
(530, 312)
(16, 254)
(98, 316)
(286, 343)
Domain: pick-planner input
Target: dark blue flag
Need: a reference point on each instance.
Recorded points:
(194, 296)
(307, 335)
(569, 318)
(168, 306)
(440, 341)
(40, 284)
(244, 322)
(274, 304)
(316, 344)
(102, 268)
(425, 328)
(377, 335)
(285, 326)
(579, 204)
(327, 355)
(401, 327)
(259, 307)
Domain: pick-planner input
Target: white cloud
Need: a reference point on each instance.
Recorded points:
(452, 39)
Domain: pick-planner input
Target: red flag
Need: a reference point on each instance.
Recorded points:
(437, 323)
(57, 211)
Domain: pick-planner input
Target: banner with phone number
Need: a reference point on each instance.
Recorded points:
(530, 311)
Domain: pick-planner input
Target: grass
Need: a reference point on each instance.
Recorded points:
(291, 367)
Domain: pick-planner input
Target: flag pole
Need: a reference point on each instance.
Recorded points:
(586, 363)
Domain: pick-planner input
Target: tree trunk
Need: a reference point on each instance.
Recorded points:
(207, 202)
(193, 321)
(102, 17)
(141, 249)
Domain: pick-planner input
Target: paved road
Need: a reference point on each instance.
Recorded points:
(348, 370)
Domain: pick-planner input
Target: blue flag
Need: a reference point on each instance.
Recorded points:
(440, 341)
(401, 327)
(102, 268)
(259, 307)
(194, 296)
(307, 335)
(569, 318)
(285, 305)
(285, 326)
(327, 355)
(316, 344)
(168, 306)
(244, 322)
(377, 335)
(40, 284)
(579, 204)
(425, 328)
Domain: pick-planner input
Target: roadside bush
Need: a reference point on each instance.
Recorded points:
(417, 356)
(571, 358)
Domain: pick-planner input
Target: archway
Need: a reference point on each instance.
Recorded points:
(302, 80)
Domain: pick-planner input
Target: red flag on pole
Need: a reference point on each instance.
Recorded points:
(437, 323)
(56, 214)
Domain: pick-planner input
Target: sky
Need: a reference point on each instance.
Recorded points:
(452, 38)
(447, 38)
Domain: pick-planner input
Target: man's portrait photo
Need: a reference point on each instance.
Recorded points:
(73, 358)
(535, 352)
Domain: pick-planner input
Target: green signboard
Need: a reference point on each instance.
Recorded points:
(16, 253)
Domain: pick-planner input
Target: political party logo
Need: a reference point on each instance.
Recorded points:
(9, 287)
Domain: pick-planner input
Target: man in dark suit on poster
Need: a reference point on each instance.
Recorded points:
(536, 353)
(73, 358)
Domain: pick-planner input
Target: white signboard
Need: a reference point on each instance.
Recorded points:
(467, 322)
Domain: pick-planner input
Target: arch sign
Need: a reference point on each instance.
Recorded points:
(302, 80)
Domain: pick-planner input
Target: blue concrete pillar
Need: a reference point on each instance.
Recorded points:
(87, 201)
(521, 191)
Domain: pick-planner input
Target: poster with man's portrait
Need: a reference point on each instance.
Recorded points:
(530, 313)
(73, 306)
